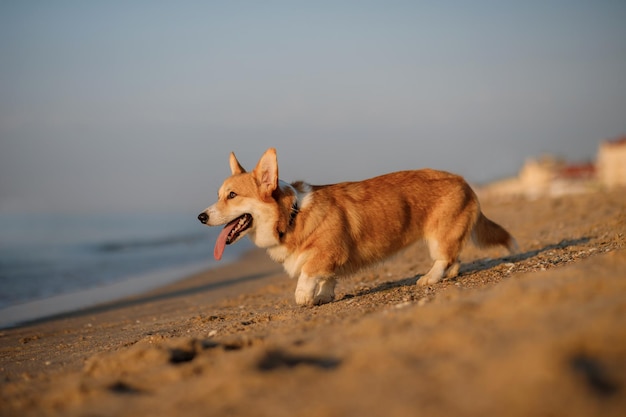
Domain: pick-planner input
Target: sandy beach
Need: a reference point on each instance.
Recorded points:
(539, 333)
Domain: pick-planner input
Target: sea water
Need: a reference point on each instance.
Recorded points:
(46, 255)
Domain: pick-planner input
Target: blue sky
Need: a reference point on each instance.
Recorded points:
(130, 105)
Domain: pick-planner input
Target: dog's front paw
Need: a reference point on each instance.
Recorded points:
(304, 298)
(325, 292)
(323, 299)
(305, 290)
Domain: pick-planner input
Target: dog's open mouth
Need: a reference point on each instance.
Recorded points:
(237, 226)
(230, 233)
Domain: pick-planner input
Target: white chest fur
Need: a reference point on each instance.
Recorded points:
(292, 262)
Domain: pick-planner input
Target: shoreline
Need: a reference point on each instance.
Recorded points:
(36, 310)
(56, 305)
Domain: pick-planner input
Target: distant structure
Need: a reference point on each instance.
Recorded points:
(612, 163)
(550, 176)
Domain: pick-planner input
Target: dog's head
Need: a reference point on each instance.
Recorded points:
(249, 203)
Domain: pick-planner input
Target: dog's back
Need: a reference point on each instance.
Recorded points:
(349, 225)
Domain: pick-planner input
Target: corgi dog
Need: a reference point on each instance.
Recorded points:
(323, 232)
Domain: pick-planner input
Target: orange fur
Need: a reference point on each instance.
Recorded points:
(340, 228)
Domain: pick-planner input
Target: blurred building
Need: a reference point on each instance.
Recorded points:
(611, 162)
(550, 176)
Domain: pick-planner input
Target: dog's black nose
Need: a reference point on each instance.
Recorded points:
(203, 217)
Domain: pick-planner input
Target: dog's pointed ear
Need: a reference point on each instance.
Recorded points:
(266, 172)
(235, 166)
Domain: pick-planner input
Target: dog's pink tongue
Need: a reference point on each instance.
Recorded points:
(220, 244)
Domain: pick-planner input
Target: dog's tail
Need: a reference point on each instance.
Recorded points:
(488, 233)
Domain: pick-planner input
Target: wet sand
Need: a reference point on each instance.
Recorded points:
(539, 333)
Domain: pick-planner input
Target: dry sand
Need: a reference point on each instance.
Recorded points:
(540, 333)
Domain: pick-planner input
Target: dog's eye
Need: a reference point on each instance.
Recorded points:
(232, 194)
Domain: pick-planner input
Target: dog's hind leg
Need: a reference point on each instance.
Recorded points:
(445, 241)
(435, 274)
(446, 260)
(453, 270)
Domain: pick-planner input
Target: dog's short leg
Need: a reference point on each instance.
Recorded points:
(326, 291)
(453, 270)
(306, 289)
(445, 254)
(435, 274)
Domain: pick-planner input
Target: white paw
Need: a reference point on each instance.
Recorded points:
(325, 292)
(304, 298)
(453, 270)
(323, 298)
(434, 275)
(427, 280)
